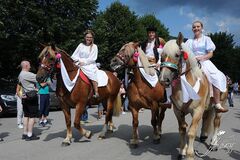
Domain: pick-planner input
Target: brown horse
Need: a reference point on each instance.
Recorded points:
(175, 55)
(80, 95)
(140, 94)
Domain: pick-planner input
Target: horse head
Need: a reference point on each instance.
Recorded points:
(175, 54)
(48, 59)
(172, 56)
(126, 57)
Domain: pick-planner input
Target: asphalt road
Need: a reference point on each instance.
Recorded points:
(116, 146)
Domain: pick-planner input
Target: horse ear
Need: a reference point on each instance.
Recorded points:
(136, 45)
(43, 45)
(179, 39)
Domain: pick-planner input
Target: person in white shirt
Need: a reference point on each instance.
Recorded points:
(152, 47)
(203, 47)
(85, 56)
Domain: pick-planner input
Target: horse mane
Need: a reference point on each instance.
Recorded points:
(143, 58)
(49, 49)
(172, 49)
(196, 71)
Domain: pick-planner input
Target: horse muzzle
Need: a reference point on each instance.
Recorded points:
(116, 64)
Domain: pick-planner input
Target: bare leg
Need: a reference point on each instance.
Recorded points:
(218, 106)
(95, 88)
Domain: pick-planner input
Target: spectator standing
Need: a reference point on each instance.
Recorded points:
(19, 93)
(44, 101)
(230, 91)
(235, 88)
(1, 139)
(29, 100)
(122, 93)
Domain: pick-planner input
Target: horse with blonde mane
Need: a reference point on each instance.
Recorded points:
(140, 93)
(176, 55)
(81, 94)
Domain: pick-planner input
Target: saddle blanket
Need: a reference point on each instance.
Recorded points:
(189, 92)
(102, 78)
(152, 80)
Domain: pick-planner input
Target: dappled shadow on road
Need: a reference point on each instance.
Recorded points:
(237, 115)
(235, 154)
(4, 134)
(236, 130)
(76, 135)
(167, 146)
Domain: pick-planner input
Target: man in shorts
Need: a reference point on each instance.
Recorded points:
(30, 103)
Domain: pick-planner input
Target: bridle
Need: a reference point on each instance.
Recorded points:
(50, 68)
(124, 58)
(174, 65)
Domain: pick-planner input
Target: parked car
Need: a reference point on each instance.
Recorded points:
(8, 99)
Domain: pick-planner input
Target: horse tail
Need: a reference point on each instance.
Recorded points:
(117, 105)
(208, 120)
(208, 116)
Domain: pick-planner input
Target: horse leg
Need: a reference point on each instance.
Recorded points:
(67, 114)
(135, 137)
(207, 121)
(182, 132)
(154, 122)
(161, 117)
(108, 120)
(197, 115)
(78, 113)
(214, 140)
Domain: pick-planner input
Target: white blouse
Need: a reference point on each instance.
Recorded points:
(85, 54)
(150, 53)
(201, 46)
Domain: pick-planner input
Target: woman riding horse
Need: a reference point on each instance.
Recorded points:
(81, 92)
(85, 56)
(190, 93)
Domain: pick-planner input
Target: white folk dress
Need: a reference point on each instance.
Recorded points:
(87, 55)
(202, 46)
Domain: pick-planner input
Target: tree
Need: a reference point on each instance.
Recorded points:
(24, 24)
(115, 27)
(226, 57)
(150, 20)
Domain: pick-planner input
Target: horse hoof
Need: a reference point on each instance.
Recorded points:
(110, 131)
(134, 146)
(156, 141)
(203, 138)
(100, 137)
(65, 144)
(90, 135)
(181, 157)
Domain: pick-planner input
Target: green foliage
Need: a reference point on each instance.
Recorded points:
(117, 26)
(151, 20)
(24, 24)
(114, 27)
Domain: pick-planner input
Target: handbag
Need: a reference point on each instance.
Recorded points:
(31, 94)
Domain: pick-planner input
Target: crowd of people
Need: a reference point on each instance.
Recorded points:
(33, 97)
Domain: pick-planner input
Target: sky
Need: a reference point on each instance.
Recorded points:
(178, 15)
